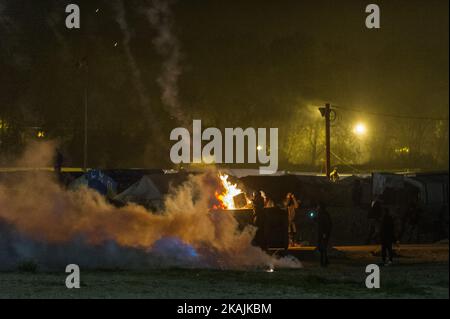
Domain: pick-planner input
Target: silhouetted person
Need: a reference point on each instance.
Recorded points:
(334, 175)
(387, 236)
(374, 216)
(259, 220)
(291, 204)
(324, 226)
(356, 193)
(57, 163)
(268, 202)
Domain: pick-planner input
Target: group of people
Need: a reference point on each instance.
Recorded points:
(381, 224)
(291, 204)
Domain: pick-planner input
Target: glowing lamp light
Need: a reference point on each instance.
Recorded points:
(360, 129)
(259, 148)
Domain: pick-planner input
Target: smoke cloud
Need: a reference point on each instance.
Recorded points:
(167, 45)
(43, 222)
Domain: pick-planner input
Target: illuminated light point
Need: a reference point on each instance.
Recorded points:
(40, 134)
(402, 150)
(270, 269)
(116, 44)
(259, 148)
(360, 129)
(97, 11)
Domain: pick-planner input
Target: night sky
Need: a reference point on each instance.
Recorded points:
(154, 66)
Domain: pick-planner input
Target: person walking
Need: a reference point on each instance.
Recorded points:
(387, 237)
(259, 220)
(374, 217)
(291, 204)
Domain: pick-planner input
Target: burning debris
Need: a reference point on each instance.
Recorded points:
(230, 196)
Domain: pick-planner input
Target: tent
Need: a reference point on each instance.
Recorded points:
(141, 192)
(97, 180)
(150, 190)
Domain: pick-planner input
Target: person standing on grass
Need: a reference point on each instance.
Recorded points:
(374, 217)
(324, 226)
(259, 220)
(387, 236)
(291, 204)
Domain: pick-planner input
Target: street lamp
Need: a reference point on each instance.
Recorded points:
(360, 129)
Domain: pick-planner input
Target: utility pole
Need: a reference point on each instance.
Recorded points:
(86, 100)
(326, 111)
(327, 139)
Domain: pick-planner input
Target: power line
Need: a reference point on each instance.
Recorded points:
(345, 163)
(391, 115)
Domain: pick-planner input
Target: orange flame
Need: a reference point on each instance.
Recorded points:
(228, 193)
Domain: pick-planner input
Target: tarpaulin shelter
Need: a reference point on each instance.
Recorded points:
(150, 190)
(97, 180)
(141, 192)
(433, 187)
(127, 177)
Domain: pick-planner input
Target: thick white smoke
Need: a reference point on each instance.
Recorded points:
(43, 222)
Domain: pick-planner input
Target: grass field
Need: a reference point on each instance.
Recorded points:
(418, 273)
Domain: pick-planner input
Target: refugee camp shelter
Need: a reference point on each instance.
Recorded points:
(151, 189)
(97, 180)
(433, 187)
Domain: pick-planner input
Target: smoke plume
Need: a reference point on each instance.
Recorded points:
(43, 222)
(137, 78)
(5, 22)
(168, 47)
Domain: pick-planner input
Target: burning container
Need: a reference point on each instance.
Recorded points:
(276, 225)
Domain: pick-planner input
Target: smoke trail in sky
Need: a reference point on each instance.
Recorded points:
(167, 45)
(2, 9)
(6, 22)
(137, 78)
